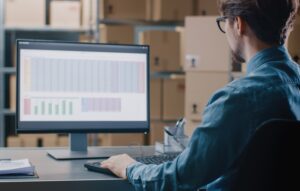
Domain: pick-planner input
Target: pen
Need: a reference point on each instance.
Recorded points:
(5, 159)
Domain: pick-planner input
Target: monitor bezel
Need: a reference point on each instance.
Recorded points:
(82, 126)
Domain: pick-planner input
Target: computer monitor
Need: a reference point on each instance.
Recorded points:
(80, 88)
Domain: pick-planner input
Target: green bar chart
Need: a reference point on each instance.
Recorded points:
(49, 107)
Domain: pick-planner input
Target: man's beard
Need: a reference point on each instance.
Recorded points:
(236, 57)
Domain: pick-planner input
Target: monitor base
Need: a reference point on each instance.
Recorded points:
(99, 152)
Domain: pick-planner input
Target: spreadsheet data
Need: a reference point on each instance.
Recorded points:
(82, 86)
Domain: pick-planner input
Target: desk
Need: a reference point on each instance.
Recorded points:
(62, 175)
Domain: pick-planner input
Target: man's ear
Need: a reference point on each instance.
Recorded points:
(240, 25)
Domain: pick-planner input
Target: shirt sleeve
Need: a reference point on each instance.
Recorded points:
(211, 150)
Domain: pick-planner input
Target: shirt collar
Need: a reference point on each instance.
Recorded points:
(267, 55)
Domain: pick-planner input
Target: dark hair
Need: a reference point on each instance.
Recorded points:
(269, 19)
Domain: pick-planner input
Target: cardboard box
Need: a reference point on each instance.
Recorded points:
(38, 140)
(156, 99)
(293, 43)
(14, 141)
(29, 13)
(116, 34)
(65, 14)
(12, 92)
(165, 51)
(244, 68)
(50, 140)
(206, 46)
(171, 10)
(173, 99)
(200, 86)
(156, 133)
(207, 7)
(125, 9)
(190, 127)
(121, 139)
(63, 141)
(87, 38)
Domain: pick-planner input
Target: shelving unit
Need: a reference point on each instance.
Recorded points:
(139, 27)
(46, 29)
(8, 70)
(2, 83)
(142, 26)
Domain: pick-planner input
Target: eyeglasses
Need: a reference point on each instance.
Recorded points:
(221, 23)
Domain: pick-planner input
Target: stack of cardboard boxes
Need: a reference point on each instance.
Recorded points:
(167, 48)
(33, 140)
(30, 13)
(156, 10)
(33, 13)
(151, 10)
(143, 10)
(207, 65)
(64, 13)
(206, 7)
(167, 93)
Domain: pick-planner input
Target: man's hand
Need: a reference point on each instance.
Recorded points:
(118, 164)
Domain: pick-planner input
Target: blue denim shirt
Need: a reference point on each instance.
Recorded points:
(271, 89)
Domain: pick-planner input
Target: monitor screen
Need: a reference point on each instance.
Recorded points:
(82, 87)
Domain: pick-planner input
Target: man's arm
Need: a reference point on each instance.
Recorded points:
(212, 148)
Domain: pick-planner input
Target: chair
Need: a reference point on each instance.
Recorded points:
(271, 159)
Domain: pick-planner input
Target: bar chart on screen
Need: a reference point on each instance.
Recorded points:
(70, 106)
(101, 105)
(50, 106)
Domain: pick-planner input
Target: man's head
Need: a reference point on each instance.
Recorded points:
(267, 21)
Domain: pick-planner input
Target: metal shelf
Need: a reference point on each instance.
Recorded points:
(8, 112)
(143, 25)
(2, 83)
(168, 75)
(164, 121)
(46, 29)
(139, 22)
(8, 70)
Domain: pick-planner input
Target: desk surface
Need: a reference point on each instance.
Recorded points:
(63, 175)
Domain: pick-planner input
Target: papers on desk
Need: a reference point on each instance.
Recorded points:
(16, 167)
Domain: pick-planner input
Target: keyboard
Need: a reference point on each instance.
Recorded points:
(153, 159)
(157, 159)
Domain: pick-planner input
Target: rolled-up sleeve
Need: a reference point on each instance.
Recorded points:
(211, 150)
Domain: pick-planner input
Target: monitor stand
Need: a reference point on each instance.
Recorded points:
(79, 150)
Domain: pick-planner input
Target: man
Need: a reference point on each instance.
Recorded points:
(256, 31)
